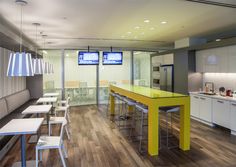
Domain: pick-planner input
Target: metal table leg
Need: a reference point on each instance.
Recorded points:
(23, 154)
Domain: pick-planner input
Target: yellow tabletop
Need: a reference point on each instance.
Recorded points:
(149, 92)
(155, 99)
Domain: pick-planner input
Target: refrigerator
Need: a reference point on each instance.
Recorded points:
(167, 77)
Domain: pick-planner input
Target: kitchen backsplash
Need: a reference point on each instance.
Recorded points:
(227, 80)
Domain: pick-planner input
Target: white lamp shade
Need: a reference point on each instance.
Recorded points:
(20, 64)
(51, 69)
(38, 66)
(46, 68)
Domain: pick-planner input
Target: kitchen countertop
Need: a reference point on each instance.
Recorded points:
(217, 96)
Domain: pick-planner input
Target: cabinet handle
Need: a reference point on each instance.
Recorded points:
(203, 98)
(220, 101)
(233, 104)
(196, 97)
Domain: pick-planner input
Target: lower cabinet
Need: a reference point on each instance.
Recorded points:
(233, 117)
(221, 112)
(201, 108)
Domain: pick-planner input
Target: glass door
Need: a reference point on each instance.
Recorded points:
(113, 74)
(80, 80)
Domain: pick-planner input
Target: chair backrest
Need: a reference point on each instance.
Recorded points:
(68, 100)
(62, 131)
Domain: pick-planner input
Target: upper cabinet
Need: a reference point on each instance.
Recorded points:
(216, 60)
(163, 59)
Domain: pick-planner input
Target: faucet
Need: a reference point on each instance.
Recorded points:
(211, 84)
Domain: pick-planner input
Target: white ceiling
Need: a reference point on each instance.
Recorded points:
(104, 23)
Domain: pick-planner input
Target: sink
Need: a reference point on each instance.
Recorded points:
(207, 93)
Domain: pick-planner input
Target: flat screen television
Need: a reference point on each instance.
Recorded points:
(112, 58)
(88, 58)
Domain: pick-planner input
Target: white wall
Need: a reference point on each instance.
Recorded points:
(9, 85)
(227, 80)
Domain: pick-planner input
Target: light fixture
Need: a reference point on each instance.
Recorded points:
(20, 63)
(152, 28)
(146, 21)
(129, 32)
(218, 40)
(37, 62)
(46, 68)
(137, 27)
(163, 22)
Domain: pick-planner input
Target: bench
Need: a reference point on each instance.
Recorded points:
(10, 108)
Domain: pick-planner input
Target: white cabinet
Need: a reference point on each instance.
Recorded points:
(221, 112)
(194, 106)
(205, 109)
(216, 60)
(201, 108)
(232, 59)
(233, 117)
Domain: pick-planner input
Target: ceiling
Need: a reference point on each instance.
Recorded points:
(119, 23)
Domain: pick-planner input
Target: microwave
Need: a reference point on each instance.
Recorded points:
(156, 68)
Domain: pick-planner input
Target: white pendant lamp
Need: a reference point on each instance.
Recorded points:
(51, 69)
(46, 68)
(37, 62)
(20, 63)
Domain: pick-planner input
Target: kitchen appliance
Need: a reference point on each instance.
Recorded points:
(229, 93)
(167, 77)
(156, 75)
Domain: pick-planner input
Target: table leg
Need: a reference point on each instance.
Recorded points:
(184, 137)
(48, 118)
(23, 150)
(112, 105)
(153, 134)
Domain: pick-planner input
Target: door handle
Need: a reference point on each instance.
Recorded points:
(233, 104)
(203, 98)
(220, 101)
(196, 97)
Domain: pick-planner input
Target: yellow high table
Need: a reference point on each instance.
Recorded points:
(154, 99)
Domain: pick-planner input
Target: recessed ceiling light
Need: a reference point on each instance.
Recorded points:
(137, 27)
(45, 52)
(129, 32)
(152, 28)
(217, 40)
(146, 21)
(163, 22)
(142, 33)
(122, 36)
(67, 55)
(135, 37)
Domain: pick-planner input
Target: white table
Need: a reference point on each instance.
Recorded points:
(22, 127)
(51, 94)
(47, 100)
(39, 109)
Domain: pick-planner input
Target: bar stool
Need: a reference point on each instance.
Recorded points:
(168, 110)
(144, 111)
(124, 113)
(108, 104)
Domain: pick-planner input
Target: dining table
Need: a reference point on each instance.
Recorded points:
(22, 127)
(154, 99)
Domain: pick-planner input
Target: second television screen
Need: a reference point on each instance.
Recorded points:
(88, 58)
(112, 58)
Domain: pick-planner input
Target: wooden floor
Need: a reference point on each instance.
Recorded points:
(97, 142)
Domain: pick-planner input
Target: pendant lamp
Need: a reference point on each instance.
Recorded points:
(46, 68)
(20, 63)
(37, 62)
(51, 69)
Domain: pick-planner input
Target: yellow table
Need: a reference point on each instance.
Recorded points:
(154, 99)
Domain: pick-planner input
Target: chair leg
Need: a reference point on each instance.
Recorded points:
(36, 157)
(67, 132)
(40, 155)
(167, 131)
(62, 157)
(141, 134)
(65, 151)
(49, 129)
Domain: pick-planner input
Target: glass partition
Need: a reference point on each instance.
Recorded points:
(142, 69)
(80, 80)
(52, 82)
(113, 74)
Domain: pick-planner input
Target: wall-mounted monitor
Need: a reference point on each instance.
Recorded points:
(88, 58)
(112, 58)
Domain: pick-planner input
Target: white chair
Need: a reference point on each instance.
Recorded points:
(62, 106)
(52, 142)
(59, 120)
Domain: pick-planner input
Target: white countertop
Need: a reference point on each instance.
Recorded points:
(21, 126)
(51, 94)
(47, 100)
(217, 96)
(37, 109)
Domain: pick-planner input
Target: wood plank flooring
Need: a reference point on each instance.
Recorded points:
(97, 142)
